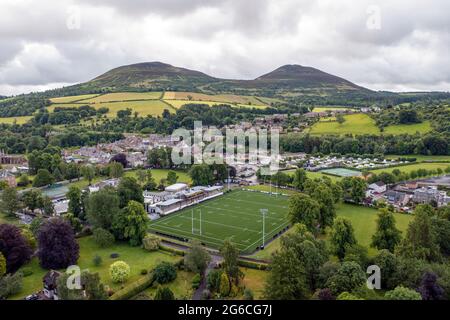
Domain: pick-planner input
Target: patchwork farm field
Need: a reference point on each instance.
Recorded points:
(413, 167)
(124, 96)
(17, 120)
(423, 127)
(356, 124)
(229, 98)
(235, 216)
(324, 109)
(179, 103)
(70, 99)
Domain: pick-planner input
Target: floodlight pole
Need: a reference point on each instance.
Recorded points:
(200, 221)
(263, 213)
(192, 220)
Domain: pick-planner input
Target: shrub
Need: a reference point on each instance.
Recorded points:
(97, 260)
(402, 293)
(114, 255)
(196, 281)
(2, 265)
(347, 296)
(134, 288)
(252, 264)
(165, 272)
(144, 272)
(164, 294)
(119, 272)
(26, 272)
(103, 237)
(224, 285)
(10, 284)
(248, 294)
(213, 280)
(151, 242)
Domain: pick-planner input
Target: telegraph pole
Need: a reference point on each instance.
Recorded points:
(263, 213)
(200, 221)
(192, 220)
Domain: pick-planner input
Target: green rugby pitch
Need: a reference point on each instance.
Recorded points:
(235, 216)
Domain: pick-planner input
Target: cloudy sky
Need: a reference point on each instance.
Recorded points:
(384, 45)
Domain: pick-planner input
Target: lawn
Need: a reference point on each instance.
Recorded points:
(181, 286)
(412, 167)
(235, 216)
(124, 96)
(17, 120)
(268, 188)
(423, 127)
(355, 124)
(316, 175)
(159, 174)
(363, 220)
(136, 257)
(255, 281)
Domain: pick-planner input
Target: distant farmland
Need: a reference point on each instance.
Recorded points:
(359, 124)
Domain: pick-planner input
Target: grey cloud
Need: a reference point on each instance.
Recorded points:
(226, 38)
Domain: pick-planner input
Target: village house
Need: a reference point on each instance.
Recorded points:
(103, 184)
(378, 187)
(429, 195)
(50, 282)
(8, 177)
(398, 199)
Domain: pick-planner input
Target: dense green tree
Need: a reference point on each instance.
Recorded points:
(303, 209)
(387, 236)
(230, 255)
(9, 201)
(75, 205)
(299, 179)
(420, 240)
(2, 265)
(133, 226)
(201, 175)
(388, 264)
(342, 236)
(43, 178)
(88, 173)
(348, 277)
(115, 170)
(286, 279)
(102, 207)
(128, 190)
(172, 177)
(197, 258)
(103, 237)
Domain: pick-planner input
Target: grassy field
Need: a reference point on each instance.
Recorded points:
(354, 124)
(159, 174)
(235, 216)
(420, 157)
(17, 120)
(179, 103)
(230, 98)
(363, 220)
(412, 167)
(423, 127)
(324, 109)
(124, 96)
(316, 175)
(69, 99)
(136, 257)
